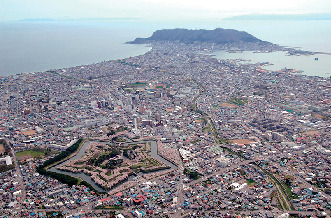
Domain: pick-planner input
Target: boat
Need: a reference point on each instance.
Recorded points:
(234, 51)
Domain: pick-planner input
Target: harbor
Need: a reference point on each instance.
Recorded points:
(311, 65)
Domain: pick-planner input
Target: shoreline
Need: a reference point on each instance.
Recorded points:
(212, 54)
(286, 49)
(313, 64)
(72, 66)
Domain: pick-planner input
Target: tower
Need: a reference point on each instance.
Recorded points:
(135, 122)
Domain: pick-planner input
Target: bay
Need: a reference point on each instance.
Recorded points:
(279, 61)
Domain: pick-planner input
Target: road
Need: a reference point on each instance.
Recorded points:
(282, 196)
(223, 170)
(180, 196)
(210, 122)
(20, 181)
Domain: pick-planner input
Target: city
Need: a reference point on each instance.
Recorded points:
(171, 133)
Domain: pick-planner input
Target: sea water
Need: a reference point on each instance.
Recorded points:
(280, 60)
(35, 47)
(32, 47)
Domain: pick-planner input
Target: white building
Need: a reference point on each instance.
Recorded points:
(7, 160)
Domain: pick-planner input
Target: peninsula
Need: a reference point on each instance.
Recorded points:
(218, 36)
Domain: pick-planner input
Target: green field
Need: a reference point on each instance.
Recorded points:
(249, 181)
(32, 153)
(110, 207)
(237, 101)
(137, 84)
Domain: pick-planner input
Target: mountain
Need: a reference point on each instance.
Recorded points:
(218, 36)
(281, 17)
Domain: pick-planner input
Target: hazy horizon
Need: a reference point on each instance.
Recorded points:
(158, 10)
(60, 25)
(251, 16)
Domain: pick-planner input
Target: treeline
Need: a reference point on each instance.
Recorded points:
(154, 169)
(130, 154)
(103, 157)
(112, 164)
(6, 147)
(119, 129)
(4, 167)
(192, 174)
(41, 169)
(62, 155)
(61, 177)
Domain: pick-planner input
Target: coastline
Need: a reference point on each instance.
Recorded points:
(214, 54)
(82, 64)
(281, 60)
(62, 45)
(69, 45)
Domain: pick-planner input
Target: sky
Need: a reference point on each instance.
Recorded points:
(11, 10)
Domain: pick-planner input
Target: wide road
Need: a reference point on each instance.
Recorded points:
(180, 196)
(223, 170)
(210, 122)
(20, 181)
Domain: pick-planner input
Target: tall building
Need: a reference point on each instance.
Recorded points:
(278, 137)
(135, 122)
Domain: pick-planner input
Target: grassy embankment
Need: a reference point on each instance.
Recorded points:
(43, 169)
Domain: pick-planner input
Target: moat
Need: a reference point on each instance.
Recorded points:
(88, 178)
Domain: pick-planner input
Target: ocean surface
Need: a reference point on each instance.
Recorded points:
(40, 46)
(35, 47)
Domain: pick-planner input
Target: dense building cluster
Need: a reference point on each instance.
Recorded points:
(245, 140)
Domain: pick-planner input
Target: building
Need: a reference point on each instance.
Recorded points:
(7, 160)
(278, 137)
